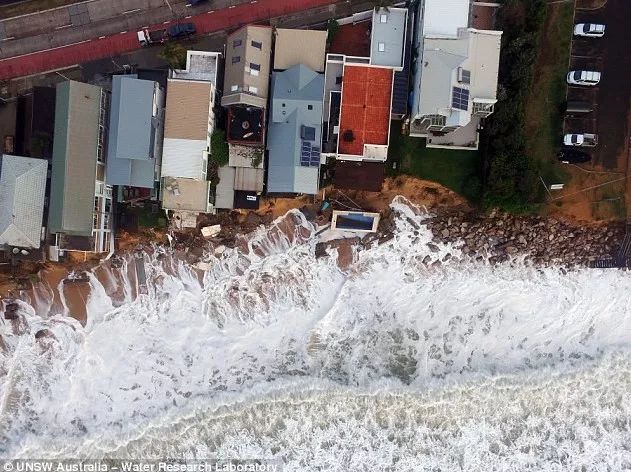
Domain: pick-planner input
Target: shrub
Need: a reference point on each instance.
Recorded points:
(219, 147)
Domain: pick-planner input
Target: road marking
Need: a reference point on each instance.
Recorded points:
(254, 1)
(131, 11)
(165, 22)
(231, 6)
(211, 11)
(187, 17)
(123, 32)
(101, 37)
(42, 11)
(63, 26)
(8, 39)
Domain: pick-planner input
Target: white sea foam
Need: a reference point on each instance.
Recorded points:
(395, 363)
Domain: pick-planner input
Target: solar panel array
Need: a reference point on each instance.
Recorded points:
(309, 155)
(460, 98)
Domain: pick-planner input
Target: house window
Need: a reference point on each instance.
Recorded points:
(309, 107)
(257, 44)
(384, 19)
(236, 43)
(254, 66)
(382, 47)
(236, 59)
(253, 89)
(234, 88)
(254, 72)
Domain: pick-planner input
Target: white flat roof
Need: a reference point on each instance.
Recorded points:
(442, 18)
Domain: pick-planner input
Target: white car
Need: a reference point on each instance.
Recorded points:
(580, 139)
(573, 139)
(589, 30)
(583, 77)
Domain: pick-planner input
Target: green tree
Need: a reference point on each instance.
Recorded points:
(174, 54)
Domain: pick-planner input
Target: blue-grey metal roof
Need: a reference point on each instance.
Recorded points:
(130, 155)
(295, 106)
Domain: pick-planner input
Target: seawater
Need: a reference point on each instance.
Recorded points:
(396, 363)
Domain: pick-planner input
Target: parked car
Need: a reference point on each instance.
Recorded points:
(147, 36)
(181, 30)
(192, 3)
(569, 155)
(583, 77)
(590, 30)
(580, 139)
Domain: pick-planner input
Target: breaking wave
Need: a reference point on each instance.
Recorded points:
(413, 358)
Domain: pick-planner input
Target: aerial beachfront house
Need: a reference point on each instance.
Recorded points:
(134, 149)
(245, 93)
(455, 79)
(358, 102)
(80, 209)
(22, 193)
(294, 131)
(295, 127)
(189, 124)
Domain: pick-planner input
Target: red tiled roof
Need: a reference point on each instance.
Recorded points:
(366, 99)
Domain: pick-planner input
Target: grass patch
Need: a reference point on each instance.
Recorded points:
(456, 169)
(546, 101)
(150, 219)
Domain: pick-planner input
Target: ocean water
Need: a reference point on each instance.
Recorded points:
(395, 363)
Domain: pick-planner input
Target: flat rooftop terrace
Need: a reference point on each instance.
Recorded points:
(245, 124)
(365, 113)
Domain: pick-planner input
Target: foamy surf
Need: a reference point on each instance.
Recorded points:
(397, 362)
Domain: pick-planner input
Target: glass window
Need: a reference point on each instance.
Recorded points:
(236, 59)
(257, 44)
(234, 88)
(254, 66)
(236, 43)
(309, 107)
(382, 47)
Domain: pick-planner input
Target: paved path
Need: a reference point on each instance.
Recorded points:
(106, 46)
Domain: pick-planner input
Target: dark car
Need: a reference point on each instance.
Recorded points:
(180, 30)
(568, 155)
(192, 3)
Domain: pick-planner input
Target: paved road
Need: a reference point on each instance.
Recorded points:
(91, 19)
(100, 47)
(609, 55)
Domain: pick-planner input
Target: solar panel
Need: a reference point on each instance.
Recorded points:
(305, 154)
(315, 156)
(460, 98)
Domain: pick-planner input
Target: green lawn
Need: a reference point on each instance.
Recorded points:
(546, 101)
(455, 169)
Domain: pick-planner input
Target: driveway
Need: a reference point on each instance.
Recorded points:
(611, 98)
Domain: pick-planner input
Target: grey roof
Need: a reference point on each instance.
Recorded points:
(200, 65)
(224, 192)
(22, 187)
(293, 92)
(133, 127)
(388, 29)
(73, 176)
